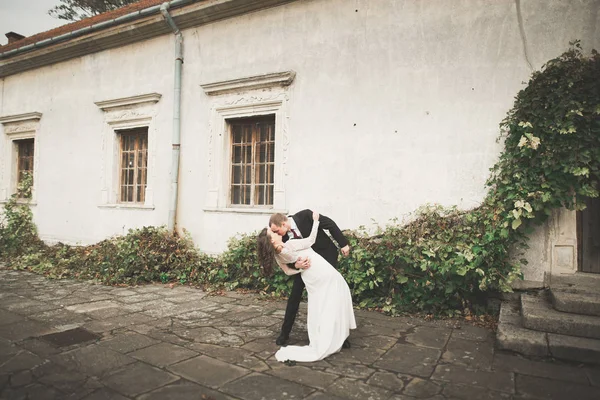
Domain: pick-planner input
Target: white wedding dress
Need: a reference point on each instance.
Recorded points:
(330, 313)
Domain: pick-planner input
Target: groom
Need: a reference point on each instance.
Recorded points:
(298, 226)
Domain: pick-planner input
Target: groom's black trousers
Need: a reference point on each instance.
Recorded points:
(329, 254)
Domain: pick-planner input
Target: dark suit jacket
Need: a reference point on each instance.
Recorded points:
(323, 244)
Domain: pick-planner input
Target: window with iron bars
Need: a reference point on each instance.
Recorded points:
(252, 161)
(134, 165)
(25, 151)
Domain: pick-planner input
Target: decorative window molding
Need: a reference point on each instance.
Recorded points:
(17, 127)
(250, 83)
(121, 114)
(240, 98)
(128, 101)
(9, 119)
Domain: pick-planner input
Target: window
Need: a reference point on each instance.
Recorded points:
(18, 153)
(129, 148)
(252, 161)
(25, 149)
(134, 165)
(243, 182)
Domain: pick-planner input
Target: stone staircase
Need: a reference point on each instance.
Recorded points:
(561, 322)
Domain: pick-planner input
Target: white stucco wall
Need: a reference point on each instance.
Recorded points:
(396, 103)
(70, 143)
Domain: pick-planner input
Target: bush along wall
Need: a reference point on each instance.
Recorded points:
(443, 261)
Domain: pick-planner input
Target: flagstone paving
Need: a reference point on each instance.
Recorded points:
(80, 341)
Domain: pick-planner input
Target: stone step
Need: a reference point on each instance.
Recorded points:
(537, 314)
(577, 293)
(580, 282)
(512, 336)
(576, 303)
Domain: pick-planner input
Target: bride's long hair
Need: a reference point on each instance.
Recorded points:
(266, 252)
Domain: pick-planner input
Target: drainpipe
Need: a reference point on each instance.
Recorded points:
(176, 117)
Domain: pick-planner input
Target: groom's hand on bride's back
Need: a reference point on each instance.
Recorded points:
(303, 263)
(345, 250)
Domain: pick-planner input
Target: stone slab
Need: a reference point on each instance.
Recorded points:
(350, 370)
(386, 380)
(473, 354)
(104, 394)
(574, 348)
(475, 333)
(232, 355)
(184, 390)
(59, 317)
(23, 330)
(525, 341)
(105, 313)
(163, 354)
(34, 391)
(138, 378)
(21, 378)
(510, 312)
(540, 316)
(128, 342)
(71, 300)
(421, 388)
(433, 337)
(494, 380)
(544, 369)
(64, 380)
(92, 360)
(20, 361)
(124, 321)
(347, 388)
(593, 374)
(323, 396)
(303, 375)
(162, 308)
(7, 348)
(579, 282)
(549, 389)
(577, 303)
(409, 359)
(356, 355)
(7, 317)
(263, 387)
(28, 307)
(373, 341)
(148, 299)
(39, 347)
(467, 392)
(93, 306)
(208, 371)
(210, 335)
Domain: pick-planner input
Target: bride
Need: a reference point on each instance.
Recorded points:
(330, 313)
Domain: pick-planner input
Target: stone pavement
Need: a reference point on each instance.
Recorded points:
(74, 340)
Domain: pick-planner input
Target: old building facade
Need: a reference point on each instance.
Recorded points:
(363, 110)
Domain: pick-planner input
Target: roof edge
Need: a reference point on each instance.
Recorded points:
(94, 28)
(129, 29)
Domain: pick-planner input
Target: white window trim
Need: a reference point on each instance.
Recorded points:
(240, 98)
(119, 114)
(18, 127)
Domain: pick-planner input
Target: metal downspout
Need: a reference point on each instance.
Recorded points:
(176, 118)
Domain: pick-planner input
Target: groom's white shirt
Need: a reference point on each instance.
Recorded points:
(293, 227)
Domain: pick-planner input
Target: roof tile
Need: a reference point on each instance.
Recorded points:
(133, 7)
